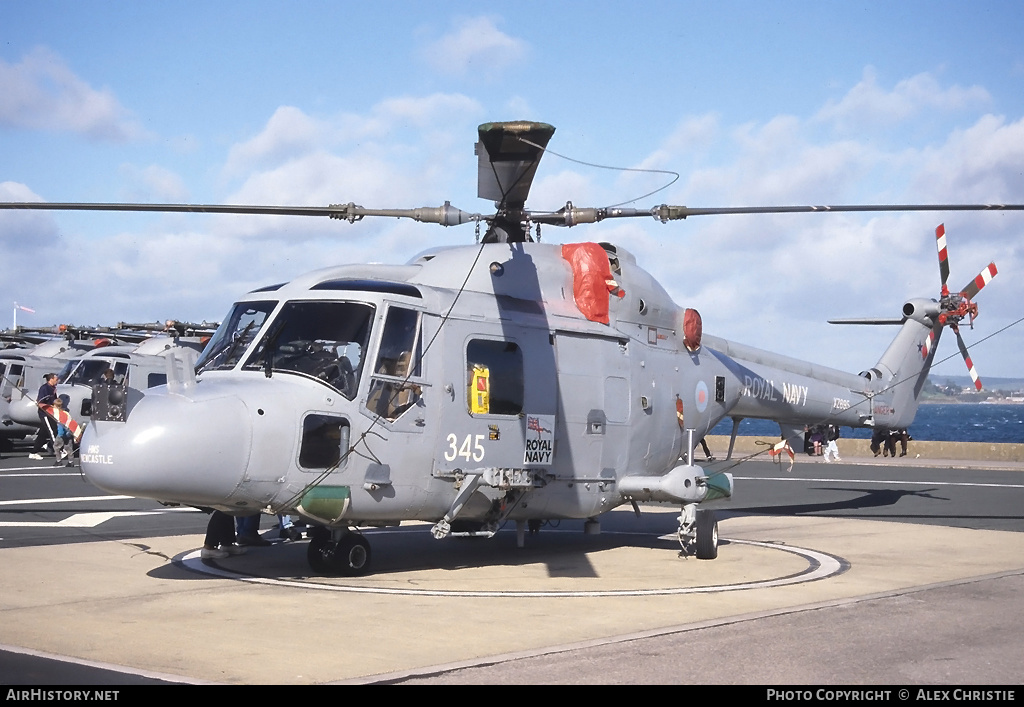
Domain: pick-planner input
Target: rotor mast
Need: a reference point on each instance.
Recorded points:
(507, 158)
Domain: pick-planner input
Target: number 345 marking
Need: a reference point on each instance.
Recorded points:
(472, 448)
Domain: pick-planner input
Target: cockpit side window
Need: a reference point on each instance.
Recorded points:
(398, 360)
(233, 336)
(320, 339)
(6, 381)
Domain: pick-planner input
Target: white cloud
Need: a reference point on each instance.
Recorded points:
(474, 46)
(867, 104)
(983, 163)
(768, 281)
(22, 232)
(288, 132)
(407, 124)
(772, 281)
(154, 184)
(42, 93)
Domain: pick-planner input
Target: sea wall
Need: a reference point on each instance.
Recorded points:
(970, 451)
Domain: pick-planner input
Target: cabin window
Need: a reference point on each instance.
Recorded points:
(325, 441)
(494, 383)
(398, 360)
(321, 340)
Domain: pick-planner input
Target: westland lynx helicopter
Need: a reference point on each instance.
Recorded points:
(22, 371)
(132, 353)
(507, 381)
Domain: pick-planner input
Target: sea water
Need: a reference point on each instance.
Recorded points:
(935, 422)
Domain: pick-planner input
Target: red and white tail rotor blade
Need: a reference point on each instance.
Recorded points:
(940, 242)
(975, 285)
(967, 359)
(929, 343)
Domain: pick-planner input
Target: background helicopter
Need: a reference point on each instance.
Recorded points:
(79, 356)
(512, 380)
(22, 369)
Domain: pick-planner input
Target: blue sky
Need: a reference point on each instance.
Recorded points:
(752, 103)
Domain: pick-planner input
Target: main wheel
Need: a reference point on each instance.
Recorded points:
(351, 556)
(707, 535)
(320, 551)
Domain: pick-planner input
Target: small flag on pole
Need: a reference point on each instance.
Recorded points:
(23, 309)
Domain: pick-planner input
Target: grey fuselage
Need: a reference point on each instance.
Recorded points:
(352, 395)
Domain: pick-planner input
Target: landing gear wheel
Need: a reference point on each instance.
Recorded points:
(348, 557)
(707, 535)
(319, 551)
(351, 556)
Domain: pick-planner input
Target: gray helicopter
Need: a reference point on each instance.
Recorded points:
(21, 374)
(510, 381)
(79, 358)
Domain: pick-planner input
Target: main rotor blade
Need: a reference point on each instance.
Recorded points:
(940, 242)
(670, 213)
(967, 358)
(172, 208)
(975, 285)
(446, 215)
(571, 215)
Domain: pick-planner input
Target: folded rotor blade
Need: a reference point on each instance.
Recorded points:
(967, 359)
(975, 285)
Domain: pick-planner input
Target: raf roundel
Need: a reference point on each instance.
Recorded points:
(701, 396)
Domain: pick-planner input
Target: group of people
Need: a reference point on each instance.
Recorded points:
(52, 431)
(57, 429)
(822, 441)
(884, 442)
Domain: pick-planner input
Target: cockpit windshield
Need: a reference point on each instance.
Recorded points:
(242, 325)
(90, 371)
(324, 340)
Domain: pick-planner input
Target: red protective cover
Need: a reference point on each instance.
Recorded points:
(591, 274)
(692, 329)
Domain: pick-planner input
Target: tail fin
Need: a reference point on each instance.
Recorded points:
(902, 370)
(900, 375)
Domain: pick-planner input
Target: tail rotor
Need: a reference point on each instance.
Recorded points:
(955, 307)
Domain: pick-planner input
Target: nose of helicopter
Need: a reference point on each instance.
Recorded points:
(171, 448)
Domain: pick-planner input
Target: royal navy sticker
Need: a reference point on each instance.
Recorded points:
(540, 440)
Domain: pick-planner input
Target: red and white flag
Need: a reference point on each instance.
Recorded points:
(64, 417)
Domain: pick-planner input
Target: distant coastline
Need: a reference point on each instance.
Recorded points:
(994, 422)
(958, 401)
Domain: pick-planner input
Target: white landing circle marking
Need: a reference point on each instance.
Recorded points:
(820, 565)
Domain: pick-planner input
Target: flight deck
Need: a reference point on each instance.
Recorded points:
(844, 563)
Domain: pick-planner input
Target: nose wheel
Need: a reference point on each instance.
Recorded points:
(346, 556)
(698, 532)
